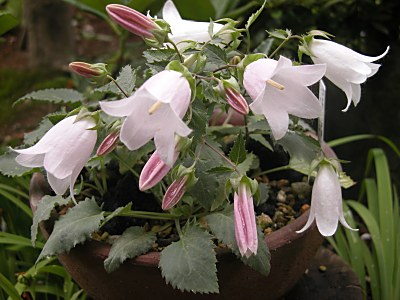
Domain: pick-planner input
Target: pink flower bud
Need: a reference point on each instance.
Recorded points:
(88, 70)
(174, 193)
(236, 101)
(108, 144)
(132, 20)
(154, 171)
(245, 221)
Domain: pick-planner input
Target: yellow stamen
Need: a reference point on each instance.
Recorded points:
(275, 84)
(154, 107)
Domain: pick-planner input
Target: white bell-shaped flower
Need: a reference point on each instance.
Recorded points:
(346, 68)
(155, 110)
(62, 151)
(278, 89)
(183, 30)
(326, 202)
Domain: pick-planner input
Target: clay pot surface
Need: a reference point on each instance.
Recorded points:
(140, 278)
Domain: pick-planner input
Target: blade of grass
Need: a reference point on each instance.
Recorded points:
(14, 190)
(16, 240)
(8, 287)
(372, 196)
(18, 202)
(396, 216)
(359, 137)
(385, 207)
(372, 269)
(373, 228)
(355, 246)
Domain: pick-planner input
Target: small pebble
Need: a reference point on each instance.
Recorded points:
(322, 268)
(282, 183)
(304, 208)
(281, 197)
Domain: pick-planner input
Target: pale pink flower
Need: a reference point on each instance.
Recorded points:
(346, 68)
(174, 192)
(326, 202)
(62, 151)
(182, 30)
(245, 221)
(155, 110)
(154, 171)
(132, 20)
(278, 89)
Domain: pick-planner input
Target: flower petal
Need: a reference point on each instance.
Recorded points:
(59, 186)
(30, 160)
(119, 108)
(256, 74)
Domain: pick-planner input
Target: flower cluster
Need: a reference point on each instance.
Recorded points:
(191, 169)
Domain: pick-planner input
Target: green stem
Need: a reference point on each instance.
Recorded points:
(103, 174)
(125, 164)
(283, 43)
(178, 227)
(176, 50)
(118, 86)
(145, 215)
(282, 168)
(223, 156)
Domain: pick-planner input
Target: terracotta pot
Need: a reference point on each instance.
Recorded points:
(140, 278)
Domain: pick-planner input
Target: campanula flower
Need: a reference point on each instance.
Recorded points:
(154, 111)
(183, 30)
(62, 151)
(326, 202)
(278, 89)
(88, 70)
(245, 221)
(346, 68)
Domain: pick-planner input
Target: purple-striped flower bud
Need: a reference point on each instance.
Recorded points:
(132, 20)
(236, 101)
(154, 171)
(88, 70)
(245, 221)
(108, 144)
(175, 192)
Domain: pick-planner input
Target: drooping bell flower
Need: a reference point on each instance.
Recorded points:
(182, 30)
(154, 171)
(245, 221)
(326, 202)
(62, 151)
(278, 89)
(346, 68)
(132, 20)
(155, 110)
(88, 70)
(175, 192)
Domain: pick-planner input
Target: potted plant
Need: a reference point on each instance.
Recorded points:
(151, 168)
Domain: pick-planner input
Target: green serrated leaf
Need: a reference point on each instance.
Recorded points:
(278, 33)
(126, 80)
(220, 169)
(199, 121)
(190, 263)
(9, 167)
(216, 57)
(133, 242)
(222, 226)
(43, 211)
(254, 16)
(302, 150)
(73, 228)
(262, 140)
(251, 162)
(238, 152)
(261, 261)
(54, 96)
(31, 137)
